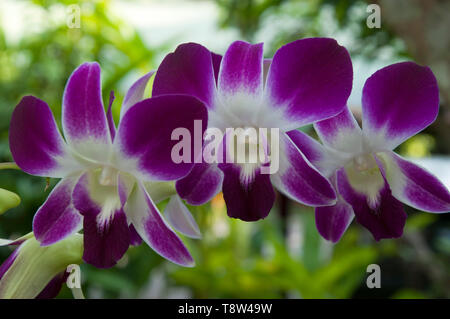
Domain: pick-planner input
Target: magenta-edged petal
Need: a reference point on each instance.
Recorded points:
(216, 60)
(110, 118)
(54, 286)
(309, 80)
(341, 132)
(385, 220)
(135, 239)
(248, 199)
(180, 218)
(149, 224)
(333, 221)
(8, 262)
(189, 70)
(83, 117)
(35, 142)
(202, 183)
(135, 93)
(241, 70)
(105, 227)
(144, 137)
(314, 152)
(57, 218)
(398, 101)
(299, 179)
(413, 185)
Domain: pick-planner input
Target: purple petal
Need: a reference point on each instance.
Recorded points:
(153, 229)
(35, 142)
(105, 244)
(310, 80)
(136, 93)
(83, 117)
(201, 184)
(188, 70)
(57, 218)
(333, 221)
(413, 185)
(105, 226)
(241, 69)
(216, 60)
(110, 118)
(135, 239)
(180, 218)
(144, 135)
(341, 132)
(299, 179)
(53, 287)
(246, 199)
(386, 220)
(314, 152)
(399, 101)
(8, 262)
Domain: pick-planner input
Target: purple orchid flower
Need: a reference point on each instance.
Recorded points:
(103, 171)
(307, 80)
(371, 180)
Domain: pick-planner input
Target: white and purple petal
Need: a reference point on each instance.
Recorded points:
(241, 70)
(35, 142)
(83, 116)
(341, 132)
(57, 218)
(144, 138)
(309, 80)
(413, 185)
(316, 153)
(152, 228)
(384, 219)
(299, 179)
(105, 227)
(398, 101)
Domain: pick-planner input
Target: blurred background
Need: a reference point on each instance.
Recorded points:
(282, 256)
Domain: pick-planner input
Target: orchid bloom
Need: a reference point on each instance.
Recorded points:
(371, 180)
(308, 80)
(34, 271)
(104, 172)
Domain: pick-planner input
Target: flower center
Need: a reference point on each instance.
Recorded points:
(365, 163)
(248, 146)
(108, 176)
(365, 177)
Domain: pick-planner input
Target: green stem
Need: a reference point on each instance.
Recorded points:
(9, 165)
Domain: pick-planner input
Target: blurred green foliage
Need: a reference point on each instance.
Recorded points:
(233, 259)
